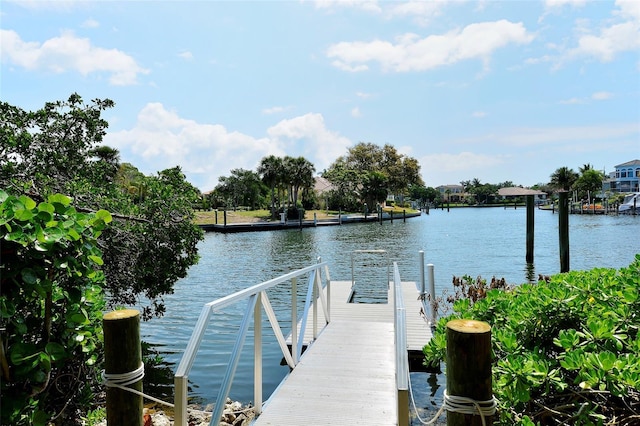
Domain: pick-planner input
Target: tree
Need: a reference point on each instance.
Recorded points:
(242, 188)
(57, 150)
(351, 173)
(300, 176)
(424, 195)
(589, 183)
(563, 178)
(271, 169)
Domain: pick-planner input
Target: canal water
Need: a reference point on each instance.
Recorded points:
(483, 242)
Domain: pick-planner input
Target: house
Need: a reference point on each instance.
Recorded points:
(452, 193)
(625, 179)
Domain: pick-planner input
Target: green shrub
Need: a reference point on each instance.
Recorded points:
(564, 351)
(51, 305)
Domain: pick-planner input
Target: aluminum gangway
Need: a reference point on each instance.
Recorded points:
(348, 361)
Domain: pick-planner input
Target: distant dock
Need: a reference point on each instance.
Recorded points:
(299, 224)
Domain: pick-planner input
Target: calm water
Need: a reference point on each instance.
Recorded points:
(486, 241)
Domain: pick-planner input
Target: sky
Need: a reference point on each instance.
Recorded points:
(490, 90)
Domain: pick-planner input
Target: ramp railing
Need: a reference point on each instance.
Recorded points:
(402, 360)
(257, 301)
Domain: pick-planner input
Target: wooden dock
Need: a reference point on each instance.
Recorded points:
(348, 374)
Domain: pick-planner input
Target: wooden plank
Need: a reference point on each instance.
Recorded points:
(346, 377)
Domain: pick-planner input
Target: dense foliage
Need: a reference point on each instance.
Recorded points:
(368, 173)
(56, 149)
(565, 351)
(51, 305)
(61, 265)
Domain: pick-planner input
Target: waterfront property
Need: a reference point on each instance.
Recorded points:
(625, 178)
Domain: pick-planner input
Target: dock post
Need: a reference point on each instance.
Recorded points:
(123, 356)
(563, 230)
(404, 215)
(224, 214)
(423, 286)
(469, 371)
(216, 216)
(530, 228)
(391, 212)
(432, 294)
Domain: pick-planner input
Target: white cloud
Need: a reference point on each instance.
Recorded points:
(64, 5)
(161, 139)
(412, 53)
(602, 96)
(572, 101)
(90, 23)
(355, 112)
(367, 5)
(479, 114)
(551, 4)
(422, 11)
(604, 44)
(275, 110)
(584, 135)
(463, 161)
(308, 136)
(186, 55)
(363, 95)
(69, 53)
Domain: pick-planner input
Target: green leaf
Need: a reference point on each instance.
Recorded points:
(56, 351)
(60, 199)
(104, 215)
(23, 215)
(29, 276)
(28, 203)
(21, 352)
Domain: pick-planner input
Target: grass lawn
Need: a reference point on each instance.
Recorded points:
(209, 217)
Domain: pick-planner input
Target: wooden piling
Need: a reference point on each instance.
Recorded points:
(530, 228)
(563, 230)
(123, 354)
(468, 364)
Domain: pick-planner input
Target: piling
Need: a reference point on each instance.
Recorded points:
(122, 355)
(530, 228)
(468, 368)
(224, 214)
(563, 230)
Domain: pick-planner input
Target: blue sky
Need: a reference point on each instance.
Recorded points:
(493, 90)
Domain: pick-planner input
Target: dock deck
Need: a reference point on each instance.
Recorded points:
(348, 374)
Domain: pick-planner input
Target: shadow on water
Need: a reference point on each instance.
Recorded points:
(427, 389)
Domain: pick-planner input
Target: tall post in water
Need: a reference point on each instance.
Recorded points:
(224, 215)
(563, 230)
(469, 372)
(530, 227)
(123, 358)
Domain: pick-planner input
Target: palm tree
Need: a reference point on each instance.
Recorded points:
(300, 175)
(271, 170)
(563, 178)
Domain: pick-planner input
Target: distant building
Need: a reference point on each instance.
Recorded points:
(626, 178)
(452, 193)
(539, 197)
